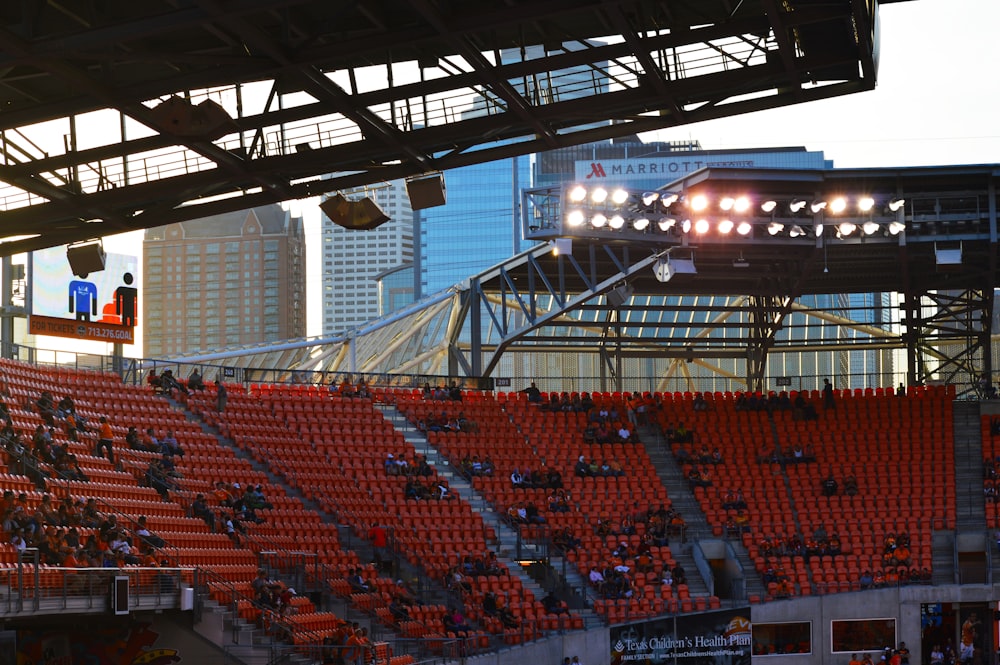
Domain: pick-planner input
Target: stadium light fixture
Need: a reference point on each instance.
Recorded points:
(640, 224)
(619, 196)
(726, 226)
(599, 195)
(666, 223)
(616, 221)
(774, 228)
(574, 218)
(744, 228)
(598, 221)
(701, 227)
(770, 205)
(578, 194)
(896, 204)
(870, 227)
(838, 205)
(866, 203)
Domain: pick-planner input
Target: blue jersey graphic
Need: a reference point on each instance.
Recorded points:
(82, 299)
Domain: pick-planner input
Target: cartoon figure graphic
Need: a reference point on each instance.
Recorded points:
(126, 298)
(82, 299)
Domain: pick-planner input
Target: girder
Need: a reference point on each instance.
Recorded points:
(361, 92)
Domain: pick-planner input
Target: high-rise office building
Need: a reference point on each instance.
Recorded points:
(353, 260)
(235, 278)
(480, 224)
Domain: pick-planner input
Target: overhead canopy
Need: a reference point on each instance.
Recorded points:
(368, 91)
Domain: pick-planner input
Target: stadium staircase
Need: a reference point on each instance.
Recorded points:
(516, 551)
(683, 501)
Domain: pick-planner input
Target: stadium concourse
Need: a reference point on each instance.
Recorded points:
(395, 508)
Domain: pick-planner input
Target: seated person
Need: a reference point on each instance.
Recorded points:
(195, 382)
(829, 486)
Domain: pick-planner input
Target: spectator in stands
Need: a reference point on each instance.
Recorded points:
(624, 435)
(357, 581)
(144, 535)
(105, 440)
(195, 382)
(45, 405)
(699, 404)
(829, 486)
(154, 381)
(199, 508)
(581, 468)
(169, 445)
(168, 382)
(454, 622)
(221, 396)
(828, 402)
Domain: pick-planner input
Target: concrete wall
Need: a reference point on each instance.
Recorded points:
(902, 604)
(591, 646)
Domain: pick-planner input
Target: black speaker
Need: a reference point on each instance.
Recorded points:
(426, 191)
(362, 215)
(85, 259)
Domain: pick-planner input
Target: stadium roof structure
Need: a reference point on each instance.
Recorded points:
(368, 91)
(924, 239)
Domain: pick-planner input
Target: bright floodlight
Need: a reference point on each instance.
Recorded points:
(817, 206)
(666, 223)
(649, 197)
(725, 226)
(616, 221)
(668, 199)
(846, 228)
(896, 204)
(866, 203)
(797, 205)
(796, 231)
(774, 228)
(895, 228)
(577, 194)
(598, 221)
(869, 227)
(640, 224)
(698, 202)
(599, 195)
(686, 226)
(619, 196)
(838, 205)
(727, 203)
(817, 230)
(701, 227)
(770, 205)
(744, 228)
(742, 204)
(574, 218)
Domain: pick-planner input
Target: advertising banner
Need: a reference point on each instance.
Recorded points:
(709, 638)
(103, 306)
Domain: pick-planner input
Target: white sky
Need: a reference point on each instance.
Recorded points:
(936, 103)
